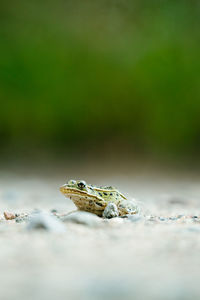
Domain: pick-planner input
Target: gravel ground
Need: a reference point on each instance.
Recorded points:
(151, 256)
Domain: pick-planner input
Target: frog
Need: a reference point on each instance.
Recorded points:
(104, 201)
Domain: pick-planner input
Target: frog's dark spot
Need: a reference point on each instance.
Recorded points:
(90, 202)
(105, 193)
(98, 203)
(110, 194)
(100, 194)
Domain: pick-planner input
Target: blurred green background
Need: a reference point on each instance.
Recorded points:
(84, 74)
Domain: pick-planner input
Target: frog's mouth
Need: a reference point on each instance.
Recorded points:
(66, 190)
(75, 194)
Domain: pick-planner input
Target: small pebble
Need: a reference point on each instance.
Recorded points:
(42, 220)
(111, 211)
(9, 216)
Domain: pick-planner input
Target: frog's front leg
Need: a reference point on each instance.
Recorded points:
(111, 211)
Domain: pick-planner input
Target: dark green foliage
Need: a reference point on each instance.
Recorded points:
(89, 71)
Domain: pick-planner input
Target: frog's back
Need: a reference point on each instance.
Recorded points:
(109, 194)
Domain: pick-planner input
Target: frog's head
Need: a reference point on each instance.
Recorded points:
(74, 187)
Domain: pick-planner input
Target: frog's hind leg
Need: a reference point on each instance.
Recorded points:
(111, 211)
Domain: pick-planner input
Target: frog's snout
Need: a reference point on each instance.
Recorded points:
(62, 188)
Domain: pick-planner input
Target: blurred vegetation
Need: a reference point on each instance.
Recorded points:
(74, 72)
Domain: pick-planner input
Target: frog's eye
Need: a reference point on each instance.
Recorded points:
(81, 184)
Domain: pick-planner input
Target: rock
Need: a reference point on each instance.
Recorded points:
(196, 219)
(9, 216)
(42, 220)
(82, 217)
(111, 211)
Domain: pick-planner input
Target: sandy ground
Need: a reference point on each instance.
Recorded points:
(152, 258)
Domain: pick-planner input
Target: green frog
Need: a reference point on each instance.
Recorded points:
(104, 201)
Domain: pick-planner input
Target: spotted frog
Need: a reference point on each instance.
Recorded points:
(98, 200)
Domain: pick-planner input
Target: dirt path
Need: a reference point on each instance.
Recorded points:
(148, 258)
